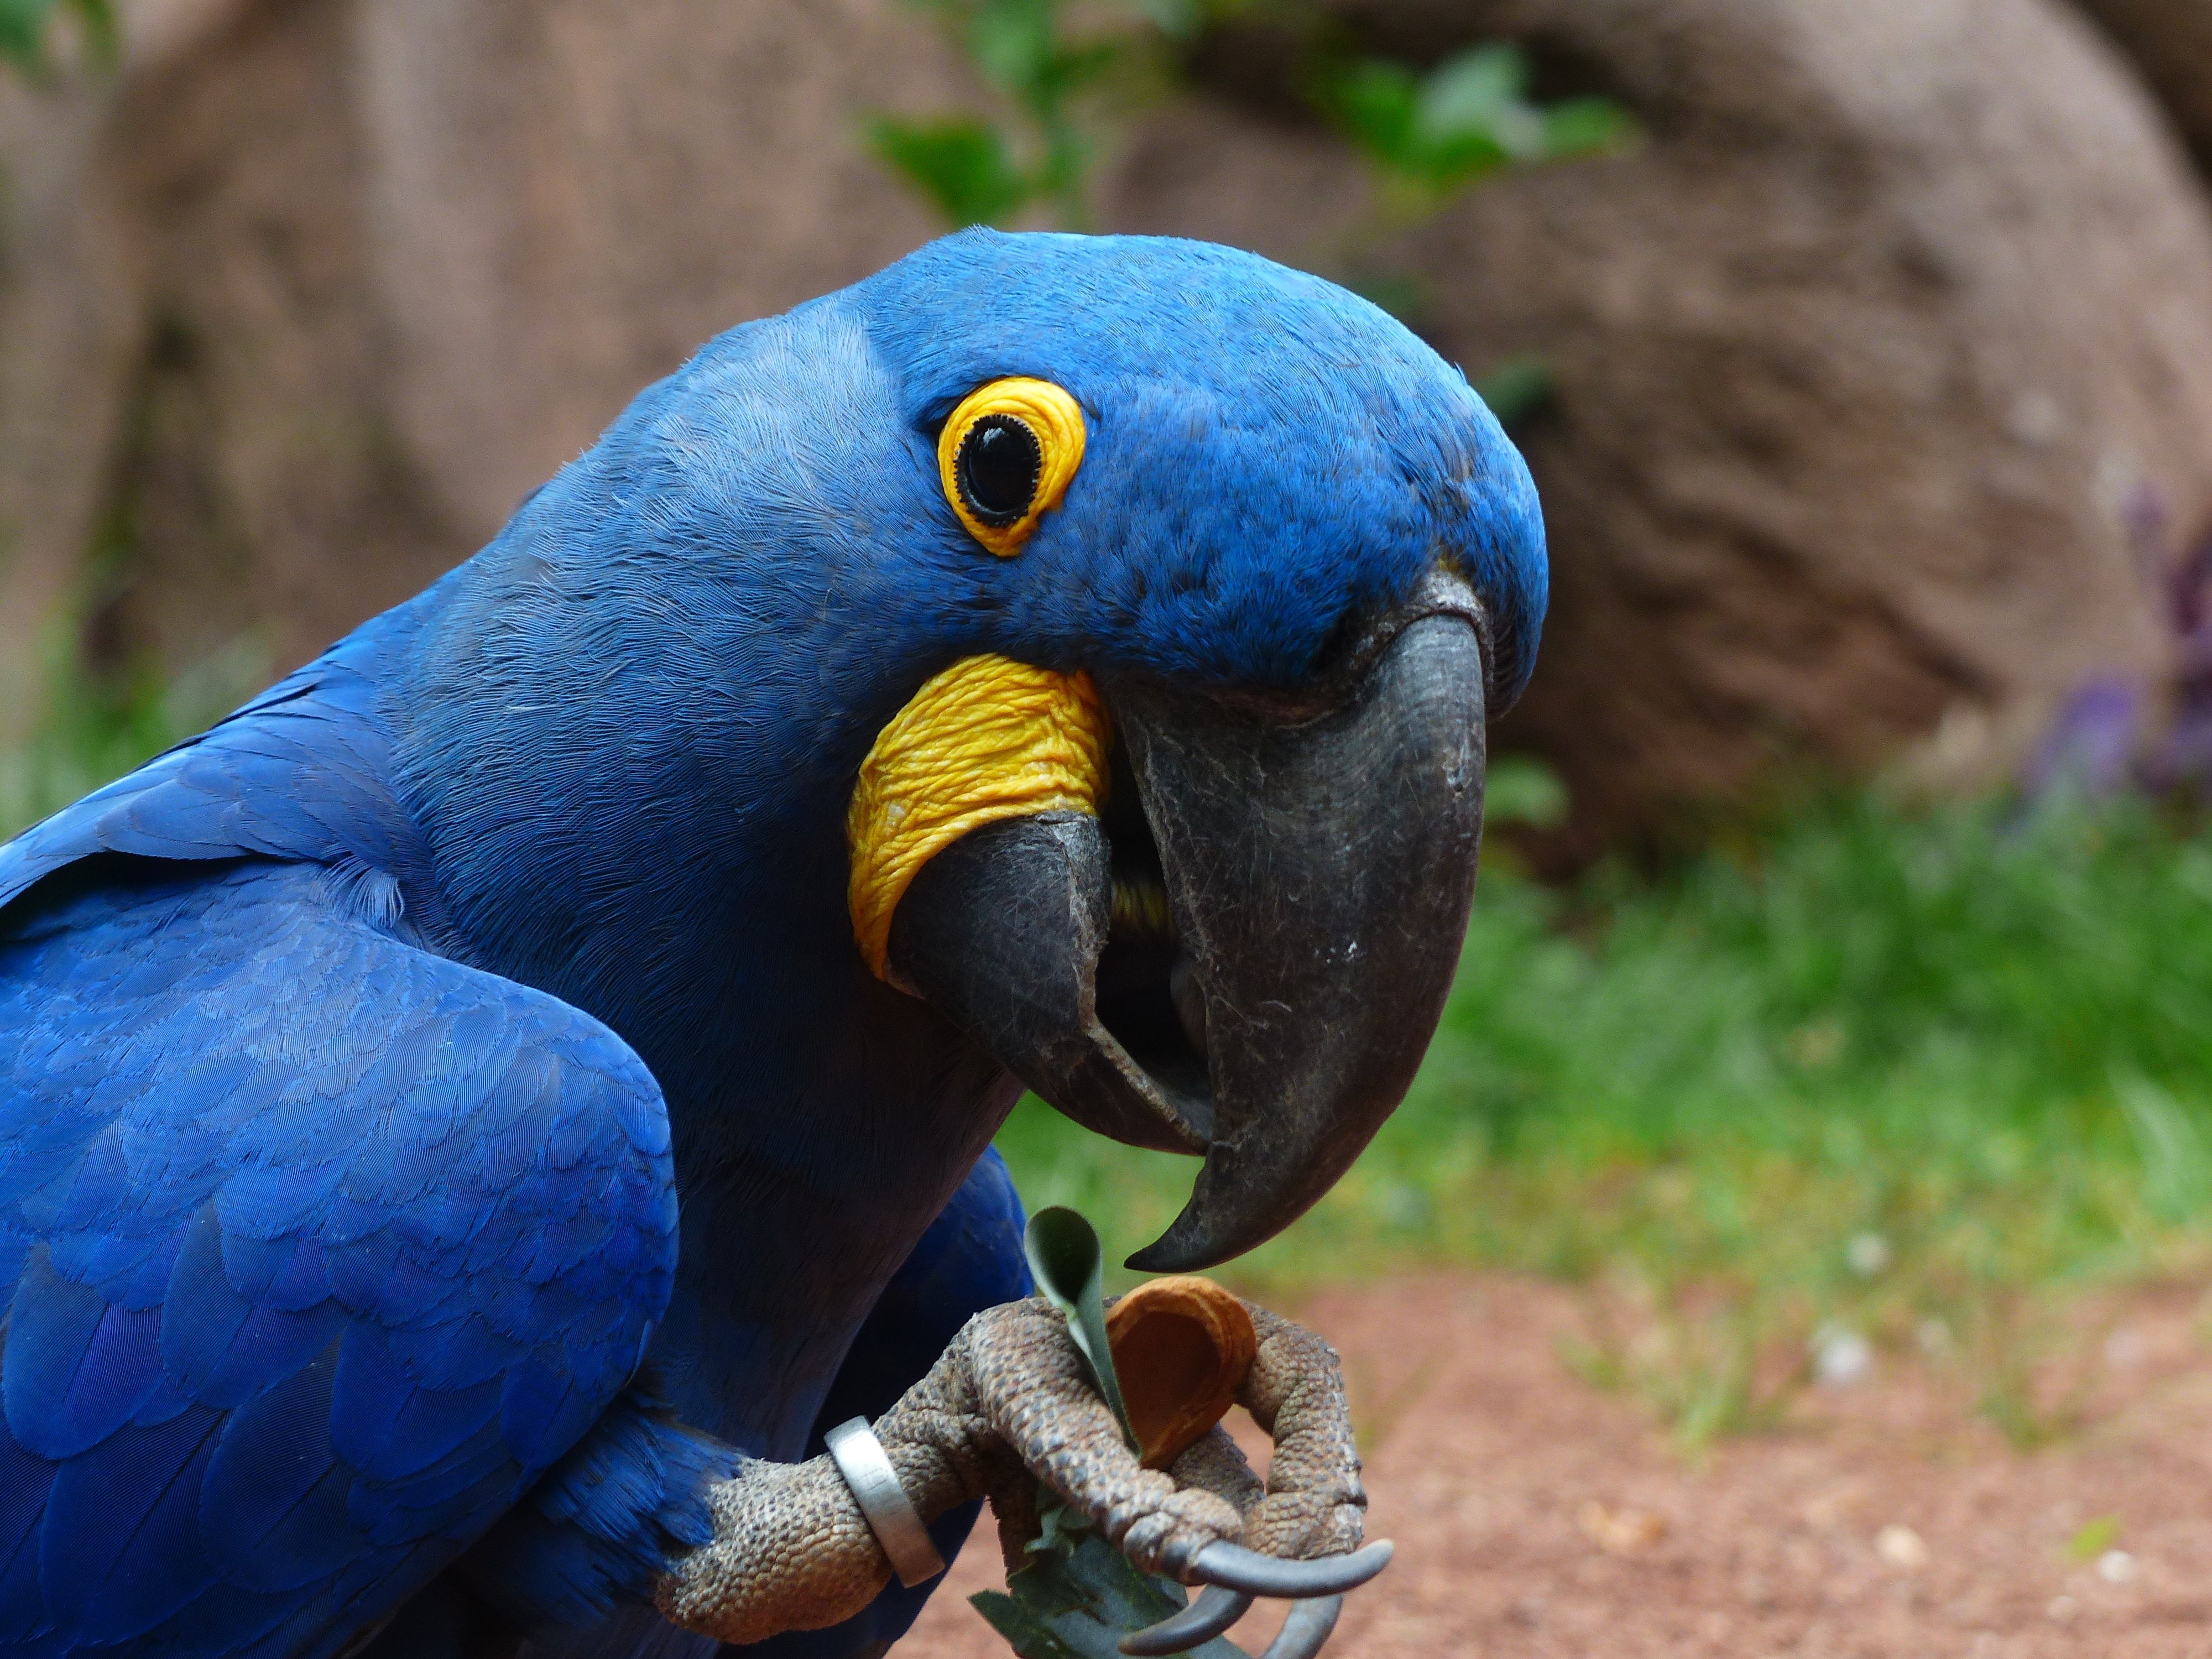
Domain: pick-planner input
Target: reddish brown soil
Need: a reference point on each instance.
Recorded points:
(1538, 1515)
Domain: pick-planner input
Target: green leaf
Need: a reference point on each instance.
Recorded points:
(967, 166)
(1025, 1631)
(1586, 126)
(1058, 1525)
(1469, 116)
(2094, 1538)
(1373, 102)
(24, 25)
(1471, 95)
(23, 30)
(1069, 1266)
(1179, 19)
(961, 165)
(1079, 1602)
(1523, 791)
(2176, 1168)
(103, 34)
(1014, 42)
(1067, 72)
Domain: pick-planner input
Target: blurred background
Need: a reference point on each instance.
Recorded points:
(1834, 1042)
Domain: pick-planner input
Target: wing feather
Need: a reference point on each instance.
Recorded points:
(319, 1249)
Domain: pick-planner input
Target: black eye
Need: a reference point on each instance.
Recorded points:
(998, 468)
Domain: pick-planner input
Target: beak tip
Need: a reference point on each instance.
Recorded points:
(1161, 1257)
(1196, 1240)
(1177, 1250)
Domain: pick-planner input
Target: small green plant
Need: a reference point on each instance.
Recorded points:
(962, 165)
(1429, 136)
(27, 30)
(2092, 1539)
(1426, 135)
(2023, 1387)
(976, 169)
(1525, 792)
(1715, 1357)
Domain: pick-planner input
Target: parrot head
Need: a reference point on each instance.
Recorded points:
(1120, 617)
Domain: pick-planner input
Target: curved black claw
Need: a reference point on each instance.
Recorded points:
(1306, 1629)
(1236, 1568)
(1214, 1611)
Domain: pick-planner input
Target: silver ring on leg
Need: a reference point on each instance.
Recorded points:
(890, 1514)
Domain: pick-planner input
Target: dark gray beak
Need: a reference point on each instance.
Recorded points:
(1247, 955)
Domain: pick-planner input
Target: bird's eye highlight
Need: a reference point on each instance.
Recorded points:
(1006, 457)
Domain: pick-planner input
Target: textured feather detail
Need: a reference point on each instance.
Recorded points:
(300, 772)
(323, 1250)
(604, 1520)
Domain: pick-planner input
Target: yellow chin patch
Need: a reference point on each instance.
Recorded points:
(988, 739)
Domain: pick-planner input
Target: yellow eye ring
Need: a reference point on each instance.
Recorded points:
(1006, 457)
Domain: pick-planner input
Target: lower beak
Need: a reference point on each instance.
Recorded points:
(1247, 959)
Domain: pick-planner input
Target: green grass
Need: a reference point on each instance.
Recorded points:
(1916, 1076)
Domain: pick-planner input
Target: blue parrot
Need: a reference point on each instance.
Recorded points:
(445, 1117)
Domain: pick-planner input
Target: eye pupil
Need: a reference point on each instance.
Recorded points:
(999, 465)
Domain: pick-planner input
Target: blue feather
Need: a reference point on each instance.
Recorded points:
(120, 1547)
(237, 1410)
(273, 1507)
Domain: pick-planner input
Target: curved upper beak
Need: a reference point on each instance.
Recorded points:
(1247, 959)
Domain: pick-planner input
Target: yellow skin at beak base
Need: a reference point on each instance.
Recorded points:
(987, 739)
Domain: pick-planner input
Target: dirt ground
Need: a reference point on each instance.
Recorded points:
(1537, 1515)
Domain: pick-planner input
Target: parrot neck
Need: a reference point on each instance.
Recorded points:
(677, 870)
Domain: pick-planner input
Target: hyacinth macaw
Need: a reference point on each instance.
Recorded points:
(446, 1119)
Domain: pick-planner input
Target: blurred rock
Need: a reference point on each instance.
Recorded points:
(2171, 41)
(296, 309)
(1870, 363)
(69, 326)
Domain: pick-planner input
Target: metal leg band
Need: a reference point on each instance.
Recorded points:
(860, 1458)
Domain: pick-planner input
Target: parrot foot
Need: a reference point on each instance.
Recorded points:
(1010, 1409)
